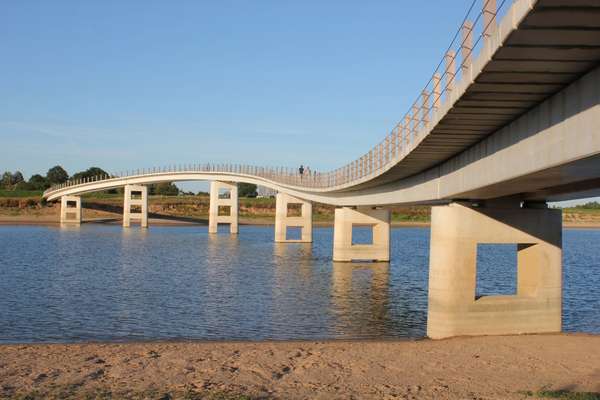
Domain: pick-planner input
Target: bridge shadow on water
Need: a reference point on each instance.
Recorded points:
(115, 209)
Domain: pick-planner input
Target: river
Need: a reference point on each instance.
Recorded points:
(105, 283)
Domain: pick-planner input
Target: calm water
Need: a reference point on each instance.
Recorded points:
(102, 282)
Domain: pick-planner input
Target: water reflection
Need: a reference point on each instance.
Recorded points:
(103, 282)
(302, 255)
(360, 297)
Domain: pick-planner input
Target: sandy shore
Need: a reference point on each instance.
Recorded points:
(461, 368)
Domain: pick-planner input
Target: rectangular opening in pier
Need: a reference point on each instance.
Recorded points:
(294, 210)
(224, 193)
(135, 209)
(71, 204)
(136, 194)
(224, 211)
(293, 233)
(362, 234)
(223, 227)
(496, 269)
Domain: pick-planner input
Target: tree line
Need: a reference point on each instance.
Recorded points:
(14, 181)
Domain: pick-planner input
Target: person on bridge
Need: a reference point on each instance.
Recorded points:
(301, 171)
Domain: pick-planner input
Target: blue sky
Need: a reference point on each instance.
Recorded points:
(130, 84)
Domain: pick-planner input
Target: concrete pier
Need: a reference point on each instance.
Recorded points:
(70, 210)
(454, 309)
(283, 219)
(376, 219)
(135, 205)
(223, 206)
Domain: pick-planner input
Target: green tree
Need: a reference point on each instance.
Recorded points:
(56, 175)
(38, 182)
(6, 181)
(17, 178)
(246, 189)
(163, 189)
(90, 172)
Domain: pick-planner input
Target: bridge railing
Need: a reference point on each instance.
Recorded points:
(282, 175)
(473, 35)
(478, 25)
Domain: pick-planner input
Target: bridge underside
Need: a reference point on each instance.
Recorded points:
(554, 45)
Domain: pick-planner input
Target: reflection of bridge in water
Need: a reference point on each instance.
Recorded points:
(508, 121)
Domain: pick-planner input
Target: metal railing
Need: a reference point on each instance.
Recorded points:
(456, 63)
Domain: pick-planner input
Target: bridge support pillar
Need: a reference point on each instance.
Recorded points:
(223, 206)
(70, 210)
(455, 309)
(344, 246)
(135, 205)
(283, 220)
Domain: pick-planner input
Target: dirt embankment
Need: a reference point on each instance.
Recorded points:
(504, 367)
(179, 209)
(194, 209)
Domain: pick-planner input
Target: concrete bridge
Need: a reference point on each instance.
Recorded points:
(509, 121)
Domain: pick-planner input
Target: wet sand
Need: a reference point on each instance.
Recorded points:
(460, 368)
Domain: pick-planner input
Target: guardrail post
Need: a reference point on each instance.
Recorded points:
(450, 60)
(399, 140)
(425, 108)
(415, 122)
(406, 129)
(436, 94)
(466, 48)
(387, 149)
(490, 10)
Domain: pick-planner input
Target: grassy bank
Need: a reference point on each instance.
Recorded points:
(20, 193)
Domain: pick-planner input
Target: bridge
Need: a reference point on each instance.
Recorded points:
(509, 121)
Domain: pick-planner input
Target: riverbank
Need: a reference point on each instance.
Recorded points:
(177, 210)
(182, 221)
(502, 367)
(193, 210)
(168, 221)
